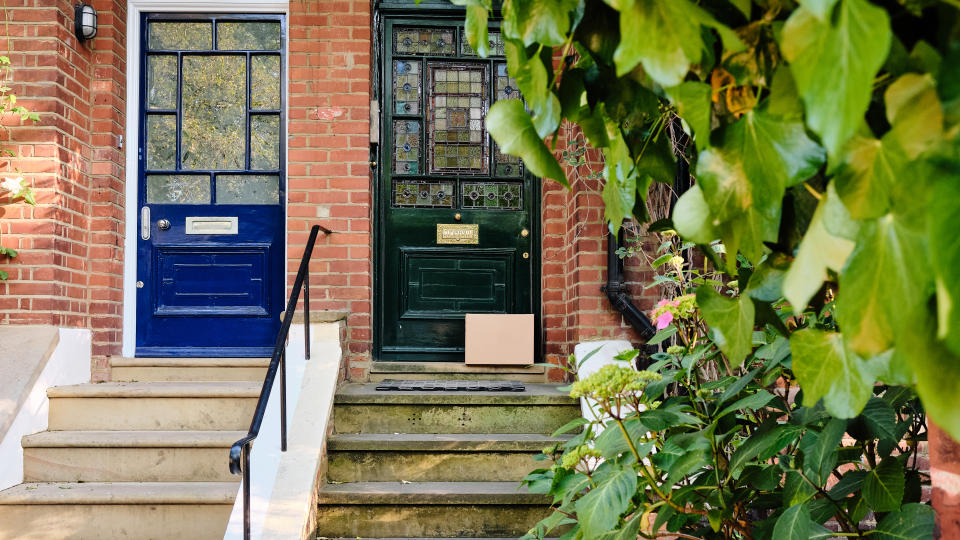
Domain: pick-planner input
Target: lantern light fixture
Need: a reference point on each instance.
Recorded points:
(85, 22)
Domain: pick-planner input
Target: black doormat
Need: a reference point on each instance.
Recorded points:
(452, 386)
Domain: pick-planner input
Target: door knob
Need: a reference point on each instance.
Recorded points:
(524, 233)
(163, 224)
(457, 216)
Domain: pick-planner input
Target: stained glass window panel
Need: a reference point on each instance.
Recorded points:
(492, 195)
(506, 86)
(457, 105)
(265, 82)
(406, 147)
(161, 142)
(214, 118)
(162, 81)
(406, 87)
(264, 142)
(178, 189)
(494, 43)
(432, 41)
(251, 36)
(180, 36)
(248, 189)
(423, 194)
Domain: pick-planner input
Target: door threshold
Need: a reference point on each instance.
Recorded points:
(449, 367)
(204, 352)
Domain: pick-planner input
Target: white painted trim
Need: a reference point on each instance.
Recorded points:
(134, 9)
(69, 363)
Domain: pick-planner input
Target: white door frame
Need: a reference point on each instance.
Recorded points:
(134, 9)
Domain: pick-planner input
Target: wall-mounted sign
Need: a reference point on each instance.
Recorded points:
(457, 233)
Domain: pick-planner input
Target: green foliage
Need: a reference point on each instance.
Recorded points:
(826, 140)
(724, 450)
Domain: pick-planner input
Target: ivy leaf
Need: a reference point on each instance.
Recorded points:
(820, 8)
(818, 251)
(826, 369)
(691, 217)
(833, 61)
(510, 125)
(476, 29)
(731, 320)
(943, 222)
(533, 82)
(914, 111)
(665, 36)
(867, 173)
(793, 524)
(913, 522)
(534, 21)
(693, 104)
(599, 510)
(883, 487)
(887, 271)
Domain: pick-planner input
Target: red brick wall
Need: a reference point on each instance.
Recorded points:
(68, 272)
(575, 261)
(328, 169)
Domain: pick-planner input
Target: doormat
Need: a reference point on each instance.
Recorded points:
(452, 386)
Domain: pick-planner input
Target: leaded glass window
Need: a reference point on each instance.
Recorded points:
(423, 194)
(213, 103)
(441, 155)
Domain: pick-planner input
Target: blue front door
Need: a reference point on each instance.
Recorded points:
(211, 171)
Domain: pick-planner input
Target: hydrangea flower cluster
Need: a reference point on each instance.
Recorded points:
(612, 380)
(573, 457)
(681, 307)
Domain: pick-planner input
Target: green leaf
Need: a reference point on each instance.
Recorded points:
(793, 524)
(887, 273)
(599, 510)
(943, 222)
(731, 321)
(570, 426)
(913, 522)
(766, 282)
(826, 369)
(914, 111)
(476, 29)
(663, 335)
(820, 8)
(796, 490)
(619, 195)
(867, 173)
(749, 403)
(883, 487)
(818, 251)
(611, 443)
(693, 105)
(880, 419)
(510, 125)
(534, 83)
(665, 36)
(691, 217)
(820, 451)
(534, 21)
(848, 483)
(833, 61)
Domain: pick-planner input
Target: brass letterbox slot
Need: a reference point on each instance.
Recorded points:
(458, 233)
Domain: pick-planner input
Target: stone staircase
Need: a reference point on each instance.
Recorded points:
(437, 464)
(143, 457)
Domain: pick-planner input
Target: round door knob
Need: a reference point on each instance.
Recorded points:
(524, 233)
(457, 216)
(163, 224)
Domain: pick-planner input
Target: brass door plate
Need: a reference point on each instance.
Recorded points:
(458, 233)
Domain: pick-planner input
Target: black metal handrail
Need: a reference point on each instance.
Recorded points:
(240, 451)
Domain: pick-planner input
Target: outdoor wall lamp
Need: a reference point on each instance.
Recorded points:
(85, 22)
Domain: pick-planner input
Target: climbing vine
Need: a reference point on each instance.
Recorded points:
(825, 149)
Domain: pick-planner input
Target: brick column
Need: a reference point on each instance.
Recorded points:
(328, 170)
(945, 477)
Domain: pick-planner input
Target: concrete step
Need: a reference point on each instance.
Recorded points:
(428, 509)
(188, 369)
(95, 511)
(421, 371)
(129, 456)
(161, 406)
(541, 408)
(468, 457)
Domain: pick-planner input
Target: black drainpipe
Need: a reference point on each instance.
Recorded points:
(617, 291)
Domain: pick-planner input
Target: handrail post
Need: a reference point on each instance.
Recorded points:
(246, 491)
(306, 313)
(283, 400)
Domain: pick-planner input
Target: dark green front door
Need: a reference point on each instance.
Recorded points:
(441, 168)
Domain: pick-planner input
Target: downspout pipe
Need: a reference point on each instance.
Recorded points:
(617, 291)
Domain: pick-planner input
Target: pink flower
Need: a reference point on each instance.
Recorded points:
(664, 319)
(663, 302)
